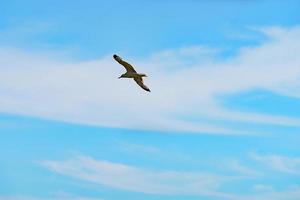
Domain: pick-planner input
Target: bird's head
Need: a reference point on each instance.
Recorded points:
(115, 56)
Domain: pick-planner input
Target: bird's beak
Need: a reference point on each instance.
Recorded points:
(119, 77)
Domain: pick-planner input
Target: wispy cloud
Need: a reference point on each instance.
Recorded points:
(291, 193)
(126, 177)
(89, 92)
(237, 167)
(57, 197)
(280, 163)
(130, 178)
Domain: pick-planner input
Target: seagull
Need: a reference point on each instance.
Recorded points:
(131, 73)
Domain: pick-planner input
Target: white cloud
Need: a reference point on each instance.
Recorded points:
(19, 197)
(291, 193)
(160, 182)
(90, 93)
(262, 187)
(237, 167)
(280, 163)
(57, 197)
(126, 177)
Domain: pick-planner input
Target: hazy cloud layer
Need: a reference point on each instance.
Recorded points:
(184, 82)
(130, 178)
(280, 163)
(126, 177)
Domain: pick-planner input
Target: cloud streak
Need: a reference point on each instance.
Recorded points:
(160, 182)
(290, 165)
(89, 92)
(126, 177)
(291, 193)
(64, 197)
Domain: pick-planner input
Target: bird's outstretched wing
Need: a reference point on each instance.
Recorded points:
(140, 82)
(127, 66)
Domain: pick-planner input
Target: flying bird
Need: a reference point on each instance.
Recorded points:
(131, 73)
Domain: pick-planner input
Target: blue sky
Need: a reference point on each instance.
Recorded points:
(222, 120)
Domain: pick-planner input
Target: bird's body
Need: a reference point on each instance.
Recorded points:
(131, 73)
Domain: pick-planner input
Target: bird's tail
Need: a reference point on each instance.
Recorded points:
(142, 75)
